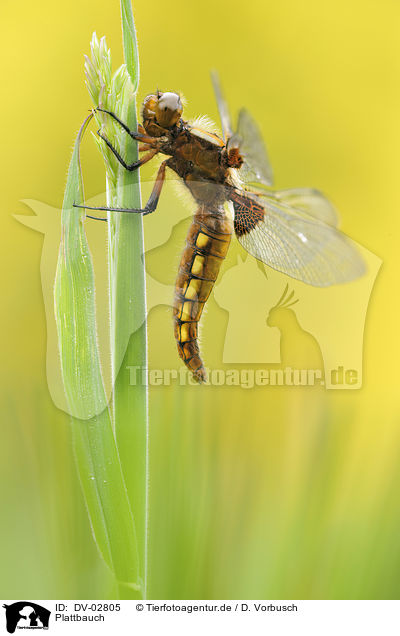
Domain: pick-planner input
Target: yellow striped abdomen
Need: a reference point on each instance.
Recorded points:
(207, 244)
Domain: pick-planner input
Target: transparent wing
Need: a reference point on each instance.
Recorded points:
(294, 242)
(223, 110)
(307, 199)
(256, 167)
(248, 139)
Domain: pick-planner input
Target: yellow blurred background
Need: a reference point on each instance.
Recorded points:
(254, 493)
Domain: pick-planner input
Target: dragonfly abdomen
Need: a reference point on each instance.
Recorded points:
(207, 244)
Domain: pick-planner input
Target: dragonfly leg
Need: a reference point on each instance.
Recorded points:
(156, 191)
(129, 166)
(151, 204)
(139, 136)
(95, 218)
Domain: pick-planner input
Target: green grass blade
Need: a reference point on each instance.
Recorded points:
(116, 93)
(131, 403)
(131, 54)
(106, 499)
(95, 449)
(74, 303)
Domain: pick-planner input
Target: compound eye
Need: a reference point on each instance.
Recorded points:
(149, 107)
(169, 101)
(168, 109)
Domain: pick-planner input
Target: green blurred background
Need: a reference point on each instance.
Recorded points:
(256, 493)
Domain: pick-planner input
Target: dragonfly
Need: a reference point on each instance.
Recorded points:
(293, 231)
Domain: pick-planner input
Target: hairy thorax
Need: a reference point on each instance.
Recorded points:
(201, 163)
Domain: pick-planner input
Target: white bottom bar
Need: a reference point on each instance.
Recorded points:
(178, 618)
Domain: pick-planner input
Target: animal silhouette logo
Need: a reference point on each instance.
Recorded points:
(299, 349)
(285, 323)
(326, 323)
(26, 615)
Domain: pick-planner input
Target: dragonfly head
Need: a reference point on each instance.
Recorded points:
(165, 108)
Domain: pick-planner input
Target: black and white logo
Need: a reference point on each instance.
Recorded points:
(26, 615)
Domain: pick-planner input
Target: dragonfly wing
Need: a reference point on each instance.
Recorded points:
(256, 167)
(294, 242)
(311, 201)
(223, 110)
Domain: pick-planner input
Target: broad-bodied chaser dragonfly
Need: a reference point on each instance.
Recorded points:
(293, 231)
